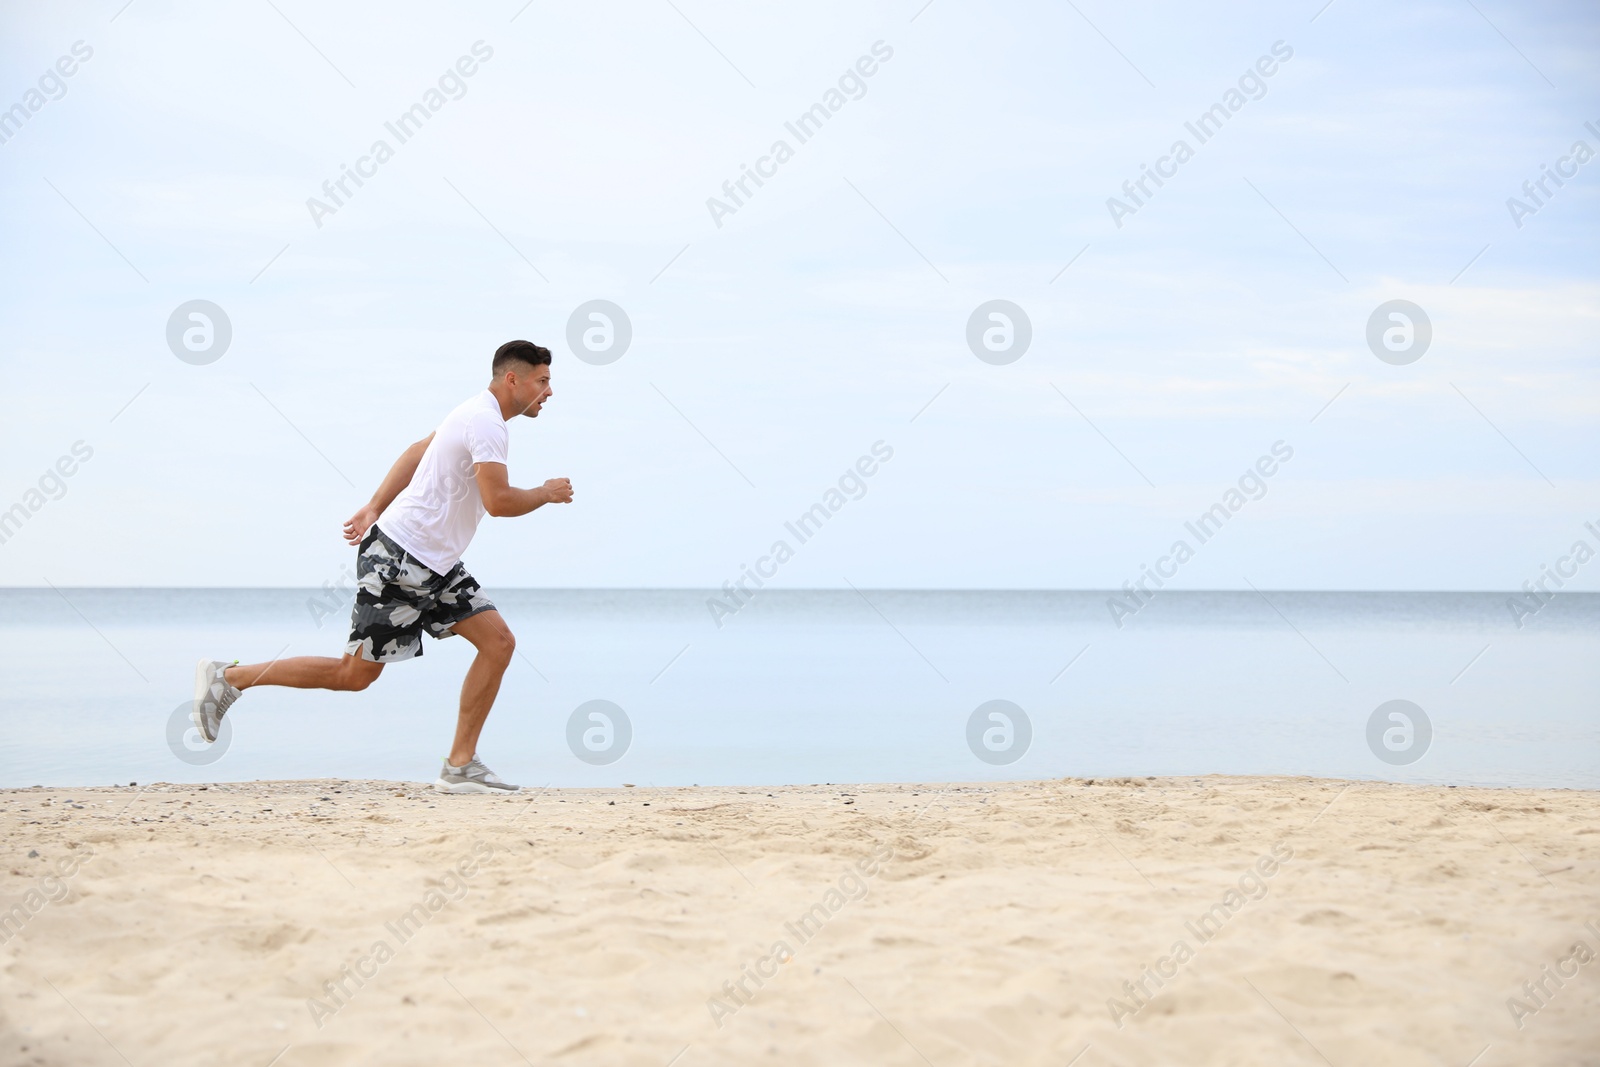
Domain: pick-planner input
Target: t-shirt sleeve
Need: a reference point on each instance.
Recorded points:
(487, 438)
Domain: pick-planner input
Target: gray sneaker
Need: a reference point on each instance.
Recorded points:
(213, 696)
(473, 778)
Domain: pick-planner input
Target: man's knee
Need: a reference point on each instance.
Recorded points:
(503, 644)
(490, 635)
(357, 673)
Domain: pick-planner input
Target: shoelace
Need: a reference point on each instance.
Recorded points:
(486, 774)
(228, 694)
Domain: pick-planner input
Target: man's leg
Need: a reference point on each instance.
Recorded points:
(492, 638)
(350, 673)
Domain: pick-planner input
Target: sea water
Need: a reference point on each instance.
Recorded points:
(654, 687)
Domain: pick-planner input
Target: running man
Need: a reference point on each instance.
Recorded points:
(409, 577)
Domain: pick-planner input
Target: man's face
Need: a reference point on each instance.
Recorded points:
(530, 389)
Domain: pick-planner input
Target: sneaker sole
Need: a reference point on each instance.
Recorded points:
(202, 690)
(443, 786)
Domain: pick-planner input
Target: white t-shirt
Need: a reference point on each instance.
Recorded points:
(435, 516)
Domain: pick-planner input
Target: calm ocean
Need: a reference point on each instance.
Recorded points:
(829, 686)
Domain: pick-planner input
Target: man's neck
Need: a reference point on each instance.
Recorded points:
(507, 408)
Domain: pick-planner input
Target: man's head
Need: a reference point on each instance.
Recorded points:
(521, 377)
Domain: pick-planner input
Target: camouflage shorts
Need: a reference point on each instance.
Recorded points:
(397, 597)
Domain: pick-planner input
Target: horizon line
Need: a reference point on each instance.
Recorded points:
(791, 589)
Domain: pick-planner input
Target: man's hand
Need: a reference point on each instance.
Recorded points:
(355, 527)
(558, 490)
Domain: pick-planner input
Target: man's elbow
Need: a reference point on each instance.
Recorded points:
(506, 503)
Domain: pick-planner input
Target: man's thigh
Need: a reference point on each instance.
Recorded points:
(487, 631)
(456, 601)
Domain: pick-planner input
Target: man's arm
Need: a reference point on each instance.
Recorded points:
(503, 500)
(399, 476)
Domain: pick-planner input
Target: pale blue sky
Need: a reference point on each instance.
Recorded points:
(827, 312)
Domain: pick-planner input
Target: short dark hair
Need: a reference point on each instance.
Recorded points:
(519, 352)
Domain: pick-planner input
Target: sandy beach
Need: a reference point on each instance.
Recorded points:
(1128, 921)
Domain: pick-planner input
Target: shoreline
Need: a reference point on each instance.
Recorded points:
(927, 786)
